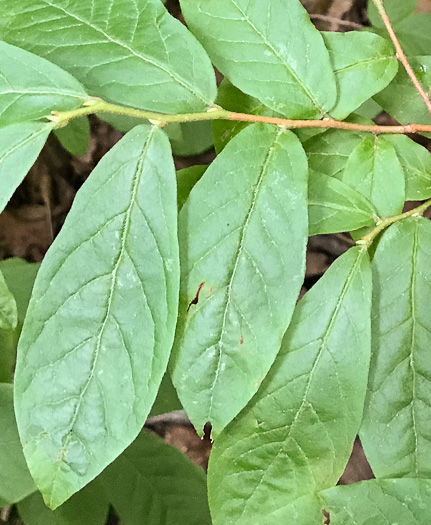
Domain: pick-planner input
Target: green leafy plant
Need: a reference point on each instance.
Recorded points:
(198, 272)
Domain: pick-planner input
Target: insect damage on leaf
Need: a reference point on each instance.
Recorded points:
(195, 299)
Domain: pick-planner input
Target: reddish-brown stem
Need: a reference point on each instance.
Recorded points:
(329, 123)
(403, 59)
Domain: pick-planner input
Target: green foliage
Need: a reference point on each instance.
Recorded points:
(166, 290)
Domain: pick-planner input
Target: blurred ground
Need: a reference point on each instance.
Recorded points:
(36, 213)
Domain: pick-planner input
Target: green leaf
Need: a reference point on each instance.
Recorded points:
(242, 233)
(15, 479)
(167, 398)
(329, 152)
(297, 433)
(154, 483)
(186, 179)
(190, 138)
(401, 100)
(105, 304)
(416, 163)
(396, 431)
(231, 98)
(269, 49)
(88, 506)
(397, 11)
(333, 206)
(130, 52)
(374, 170)
(19, 276)
(380, 502)
(75, 137)
(8, 309)
(364, 64)
(414, 34)
(20, 145)
(31, 87)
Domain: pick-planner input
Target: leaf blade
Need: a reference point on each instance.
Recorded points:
(291, 440)
(31, 87)
(333, 206)
(105, 300)
(152, 483)
(218, 356)
(272, 68)
(399, 369)
(131, 53)
(20, 145)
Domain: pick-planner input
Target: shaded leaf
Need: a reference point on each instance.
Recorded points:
(416, 163)
(269, 49)
(396, 431)
(333, 206)
(75, 137)
(186, 179)
(88, 506)
(31, 87)
(396, 10)
(401, 100)
(15, 479)
(167, 398)
(20, 145)
(154, 483)
(8, 309)
(374, 170)
(414, 34)
(105, 304)
(379, 502)
(297, 433)
(364, 64)
(130, 52)
(231, 98)
(190, 138)
(242, 232)
(329, 152)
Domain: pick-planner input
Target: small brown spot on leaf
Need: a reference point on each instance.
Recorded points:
(211, 290)
(195, 299)
(327, 517)
(241, 340)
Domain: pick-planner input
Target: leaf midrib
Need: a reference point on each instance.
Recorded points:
(182, 82)
(280, 58)
(254, 198)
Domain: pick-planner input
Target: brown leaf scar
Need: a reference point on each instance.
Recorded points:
(195, 299)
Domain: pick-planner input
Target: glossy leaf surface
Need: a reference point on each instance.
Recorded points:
(380, 502)
(416, 163)
(334, 206)
(105, 304)
(89, 506)
(15, 479)
(242, 234)
(154, 483)
(269, 49)
(363, 64)
(130, 52)
(296, 434)
(31, 87)
(374, 170)
(396, 431)
(20, 145)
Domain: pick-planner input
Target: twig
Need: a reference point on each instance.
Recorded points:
(400, 53)
(337, 21)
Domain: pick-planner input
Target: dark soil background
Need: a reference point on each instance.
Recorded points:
(37, 211)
